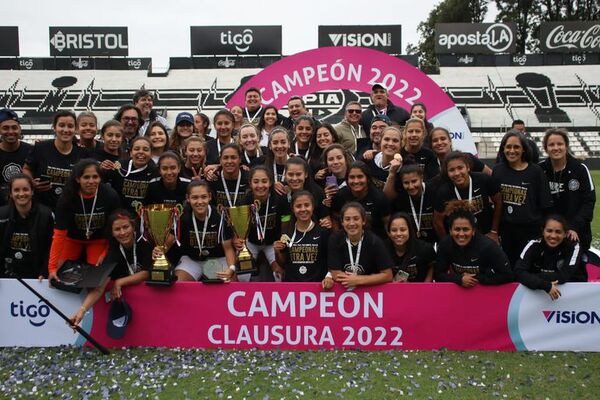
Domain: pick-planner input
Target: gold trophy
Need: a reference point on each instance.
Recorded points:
(158, 220)
(239, 220)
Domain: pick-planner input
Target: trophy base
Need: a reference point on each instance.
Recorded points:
(246, 262)
(161, 273)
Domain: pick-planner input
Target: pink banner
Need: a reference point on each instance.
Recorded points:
(303, 316)
(353, 68)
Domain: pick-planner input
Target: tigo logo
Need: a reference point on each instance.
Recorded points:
(572, 317)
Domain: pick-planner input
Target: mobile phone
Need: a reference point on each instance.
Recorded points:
(401, 276)
(45, 178)
(331, 180)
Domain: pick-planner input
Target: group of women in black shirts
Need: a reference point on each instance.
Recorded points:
(397, 210)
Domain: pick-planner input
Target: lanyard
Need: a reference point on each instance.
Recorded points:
(298, 151)
(247, 157)
(88, 223)
(201, 243)
(129, 171)
(261, 229)
(355, 133)
(412, 207)
(470, 190)
(237, 189)
(251, 120)
(379, 162)
(276, 175)
(219, 145)
(131, 267)
(310, 227)
(354, 261)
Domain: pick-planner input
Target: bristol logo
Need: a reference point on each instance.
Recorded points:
(572, 317)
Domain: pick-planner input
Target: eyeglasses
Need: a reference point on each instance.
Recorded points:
(352, 111)
(129, 119)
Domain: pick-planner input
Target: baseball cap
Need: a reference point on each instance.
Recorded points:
(381, 117)
(184, 117)
(8, 114)
(119, 316)
(378, 86)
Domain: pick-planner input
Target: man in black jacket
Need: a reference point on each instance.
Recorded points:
(382, 105)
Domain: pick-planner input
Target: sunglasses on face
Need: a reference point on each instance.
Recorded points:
(353, 111)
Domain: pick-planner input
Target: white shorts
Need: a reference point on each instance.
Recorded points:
(267, 249)
(194, 268)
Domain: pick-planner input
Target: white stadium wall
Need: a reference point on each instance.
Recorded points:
(544, 96)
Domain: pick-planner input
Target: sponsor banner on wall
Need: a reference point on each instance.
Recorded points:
(88, 41)
(387, 38)
(467, 38)
(9, 41)
(303, 316)
(235, 40)
(570, 37)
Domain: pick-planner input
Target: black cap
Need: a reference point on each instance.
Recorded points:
(381, 117)
(119, 316)
(8, 114)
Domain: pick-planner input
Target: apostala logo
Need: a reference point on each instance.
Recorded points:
(497, 37)
(572, 317)
(361, 39)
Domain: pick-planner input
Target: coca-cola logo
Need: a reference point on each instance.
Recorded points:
(583, 39)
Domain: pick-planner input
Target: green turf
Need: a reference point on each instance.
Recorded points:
(175, 374)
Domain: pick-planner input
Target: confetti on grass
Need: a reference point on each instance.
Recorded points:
(75, 373)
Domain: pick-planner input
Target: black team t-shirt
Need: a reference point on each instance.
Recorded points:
(11, 164)
(374, 256)
(158, 193)
(426, 159)
(213, 243)
(212, 151)
(525, 194)
(376, 205)
(143, 255)
(484, 187)
(278, 212)
(75, 214)
(45, 160)
(132, 186)
(219, 195)
(402, 203)
(307, 256)
(415, 262)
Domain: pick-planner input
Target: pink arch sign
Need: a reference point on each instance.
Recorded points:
(355, 68)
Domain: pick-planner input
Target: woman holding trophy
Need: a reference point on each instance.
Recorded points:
(133, 261)
(203, 249)
(271, 217)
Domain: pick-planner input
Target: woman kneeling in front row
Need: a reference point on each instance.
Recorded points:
(551, 260)
(356, 256)
(467, 257)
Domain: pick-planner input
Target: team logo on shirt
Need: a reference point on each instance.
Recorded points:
(134, 189)
(465, 269)
(573, 185)
(355, 269)
(20, 241)
(303, 269)
(10, 170)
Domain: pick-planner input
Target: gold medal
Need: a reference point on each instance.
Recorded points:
(117, 164)
(284, 239)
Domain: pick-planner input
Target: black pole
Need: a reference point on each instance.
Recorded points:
(79, 329)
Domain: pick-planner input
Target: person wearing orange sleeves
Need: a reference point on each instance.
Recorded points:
(81, 214)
